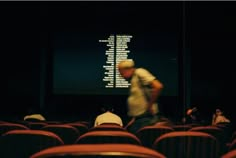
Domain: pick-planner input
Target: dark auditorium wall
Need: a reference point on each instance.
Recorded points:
(24, 33)
(210, 40)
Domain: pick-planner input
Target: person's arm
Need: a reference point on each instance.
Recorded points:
(157, 87)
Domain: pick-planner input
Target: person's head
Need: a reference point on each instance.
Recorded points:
(126, 68)
(218, 112)
(106, 108)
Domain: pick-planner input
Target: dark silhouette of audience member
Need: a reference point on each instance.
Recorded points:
(191, 116)
(218, 117)
(108, 117)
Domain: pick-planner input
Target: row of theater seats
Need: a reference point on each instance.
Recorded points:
(170, 143)
(120, 151)
(69, 132)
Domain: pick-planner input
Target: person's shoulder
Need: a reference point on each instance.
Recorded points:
(118, 116)
(144, 74)
(140, 70)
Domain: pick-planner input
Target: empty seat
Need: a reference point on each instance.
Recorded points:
(87, 123)
(148, 134)
(67, 133)
(37, 125)
(53, 122)
(99, 150)
(98, 137)
(182, 127)
(187, 144)
(23, 143)
(80, 127)
(216, 132)
(2, 122)
(5, 127)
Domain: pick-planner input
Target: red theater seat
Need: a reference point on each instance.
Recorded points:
(230, 154)
(67, 133)
(80, 127)
(148, 134)
(98, 137)
(23, 143)
(37, 125)
(5, 127)
(98, 150)
(216, 132)
(187, 144)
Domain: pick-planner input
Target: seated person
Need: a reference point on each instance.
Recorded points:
(191, 116)
(218, 117)
(33, 115)
(108, 117)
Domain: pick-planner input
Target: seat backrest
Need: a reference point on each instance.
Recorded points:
(5, 127)
(67, 133)
(187, 144)
(99, 150)
(110, 127)
(23, 143)
(53, 122)
(218, 133)
(86, 123)
(213, 130)
(182, 127)
(80, 127)
(3, 122)
(106, 123)
(98, 137)
(229, 154)
(195, 124)
(148, 134)
(37, 125)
